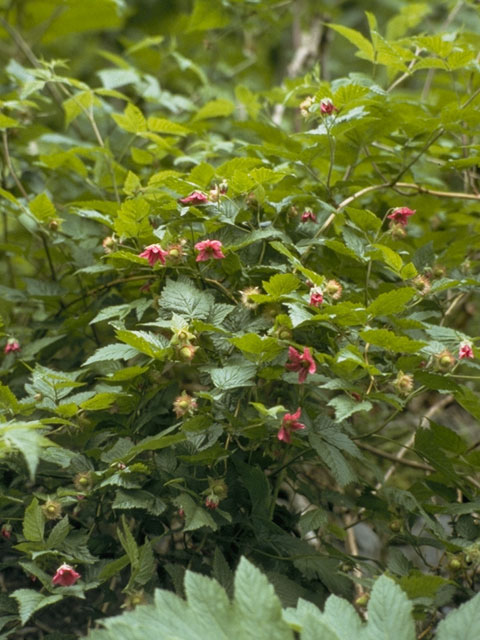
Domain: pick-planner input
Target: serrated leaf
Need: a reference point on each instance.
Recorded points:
(256, 605)
(214, 109)
(30, 601)
(233, 376)
(389, 612)
(132, 119)
(42, 208)
(195, 515)
(151, 344)
(355, 37)
(111, 352)
(461, 624)
(388, 340)
(182, 296)
(265, 349)
(162, 125)
(281, 284)
(58, 534)
(33, 522)
(312, 520)
(391, 302)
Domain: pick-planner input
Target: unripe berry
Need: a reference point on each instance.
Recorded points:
(395, 526)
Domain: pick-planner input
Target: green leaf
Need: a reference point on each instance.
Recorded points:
(195, 515)
(33, 522)
(462, 623)
(151, 344)
(252, 586)
(312, 520)
(391, 302)
(214, 109)
(364, 219)
(265, 349)
(58, 534)
(355, 37)
(388, 340)
(162, 125)
(131, 120)
(111, 352)
(128, 542)
(6, 122)
(183, 297)
(281, 284)
(233, 376)
(132, 219)
(42, 208)
(30, 601)
(207, 14)
(389, 612)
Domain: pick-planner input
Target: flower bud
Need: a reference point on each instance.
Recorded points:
(6, 531)
(422, 284)
(395, 526)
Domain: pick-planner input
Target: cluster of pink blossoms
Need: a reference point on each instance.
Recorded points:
(207, 250)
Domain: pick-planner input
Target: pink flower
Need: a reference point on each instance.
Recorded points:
(153, 253)
(65, 576)
(196, 197)
(290, 423)
(400, 215)
(465, 351)
(316, 297)
(212, 501)
(12, 346)
(303, 363)
(308, 215)
(209, 249)
(6, 531)
(327, 107)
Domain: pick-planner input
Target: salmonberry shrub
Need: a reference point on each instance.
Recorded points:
(239, 292)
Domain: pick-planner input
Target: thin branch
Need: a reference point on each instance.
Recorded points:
(8, 162)
(394, 458)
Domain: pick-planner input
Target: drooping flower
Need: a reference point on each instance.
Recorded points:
(334, 289)
(196, 197)
(212, 501)
(246, 297)
(209, 249)
(65, 576)
(154, 253)
(184, 405)
(290, 423)
(308, 215)
(6, 531)
(303, 363)
(327, 107)
(400, 215)
(316, 297)
(465, 351)
(12, 346)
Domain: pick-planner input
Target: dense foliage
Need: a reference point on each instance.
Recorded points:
(239, 314)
